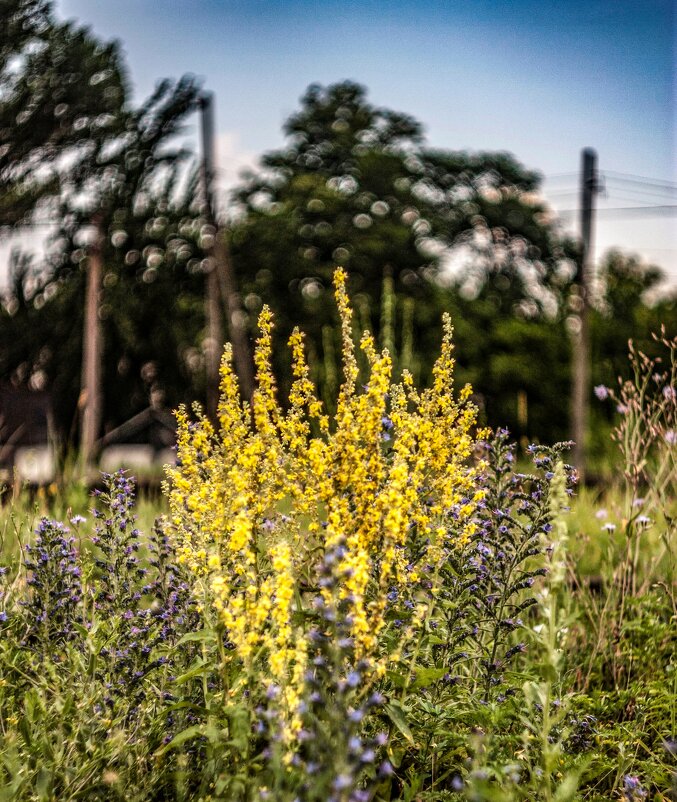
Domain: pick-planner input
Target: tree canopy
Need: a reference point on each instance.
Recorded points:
(63, 100)
(355, 185)
(74, 147)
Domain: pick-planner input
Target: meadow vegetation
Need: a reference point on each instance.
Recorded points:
(377, 604)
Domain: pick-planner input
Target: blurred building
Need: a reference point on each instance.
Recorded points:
(26, 436)
(143, 444)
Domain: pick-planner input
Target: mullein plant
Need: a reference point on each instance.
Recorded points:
(372, 605)
(286, 517)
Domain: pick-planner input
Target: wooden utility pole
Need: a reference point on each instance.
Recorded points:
(90, 401)
(580, 400)
(221, 285)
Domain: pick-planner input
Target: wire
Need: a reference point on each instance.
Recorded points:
(637, 194)
(643, 179)
(644, 185)
(628, 195)
(657, 210)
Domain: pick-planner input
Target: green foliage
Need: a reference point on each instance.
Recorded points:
(626, 311)
(357, 187)
(508, 362)
(115, 677)
(63, 98)
(68, 107)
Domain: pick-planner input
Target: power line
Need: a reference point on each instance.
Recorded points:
(636, 195)
(642, 179)
(629, 195)
(640, 186)
(611, 187)
(634, 186)
(658, 210)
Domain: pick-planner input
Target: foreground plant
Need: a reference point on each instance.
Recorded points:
(463, 695)
(87, 658)
(626, 640)
(260, 503)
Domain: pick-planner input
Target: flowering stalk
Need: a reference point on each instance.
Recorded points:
(646, 433)
(55, 587)
(254, 503)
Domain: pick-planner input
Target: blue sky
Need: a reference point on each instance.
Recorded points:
(539, 79)
(521, 75)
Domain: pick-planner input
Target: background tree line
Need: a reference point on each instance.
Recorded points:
(355, 185)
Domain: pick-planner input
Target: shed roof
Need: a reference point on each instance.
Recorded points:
(157, 427)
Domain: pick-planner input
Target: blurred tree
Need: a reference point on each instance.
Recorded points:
(518, 358)
(151, 306)
(630, 308)
(71, 145)
(40, 328)
(151, 314)
(22, 22)
(62, 99)
(518, 365)
(356, 187)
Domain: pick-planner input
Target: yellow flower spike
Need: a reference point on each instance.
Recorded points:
(350, 369)
(258, 503)
(368, 345)
(294, 427)
(233, 418)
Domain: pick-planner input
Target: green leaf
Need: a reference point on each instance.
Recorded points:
(426, 676)
(397, 716)
(203, 635)
(208, 731)
(396, 678)
(566, 791)
(195, 670)
(395, 755)
(199, 709)
(83, 632)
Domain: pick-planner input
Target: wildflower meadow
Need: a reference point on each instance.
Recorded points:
(385, 602)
